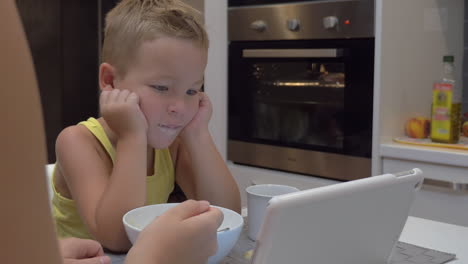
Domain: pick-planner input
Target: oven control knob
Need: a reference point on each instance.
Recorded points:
(330, 22)
(258, 25)
(294, 24)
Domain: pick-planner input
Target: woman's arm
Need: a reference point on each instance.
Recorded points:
(184, 234)
(27, 228)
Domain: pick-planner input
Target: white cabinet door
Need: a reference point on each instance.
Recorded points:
(435, 203)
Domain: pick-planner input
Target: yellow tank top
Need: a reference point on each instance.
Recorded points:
(158, 187)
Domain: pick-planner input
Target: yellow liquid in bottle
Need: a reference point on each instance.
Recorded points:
(446, 107)
(447, 131)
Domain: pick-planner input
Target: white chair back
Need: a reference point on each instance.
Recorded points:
(49, 170)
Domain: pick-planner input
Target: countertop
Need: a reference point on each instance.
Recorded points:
(418, 231)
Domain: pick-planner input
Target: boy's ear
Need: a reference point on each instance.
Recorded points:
(107, 75)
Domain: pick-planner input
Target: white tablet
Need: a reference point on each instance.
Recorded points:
(355, 222)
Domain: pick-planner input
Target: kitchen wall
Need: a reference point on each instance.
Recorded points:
(216, 70)
(411, 39)
(416, 35)
(197, 4)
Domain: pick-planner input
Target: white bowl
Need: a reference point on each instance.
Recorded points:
(137, 219)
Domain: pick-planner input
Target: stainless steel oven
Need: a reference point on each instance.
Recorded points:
(301, 87)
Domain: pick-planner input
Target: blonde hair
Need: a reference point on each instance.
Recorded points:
(133, 22)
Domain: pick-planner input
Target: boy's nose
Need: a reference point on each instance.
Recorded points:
(176, 106)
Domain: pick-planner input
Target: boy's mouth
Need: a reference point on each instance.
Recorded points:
(169, 129)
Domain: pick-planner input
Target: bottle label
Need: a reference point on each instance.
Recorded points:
(442, 100)
(443, 87)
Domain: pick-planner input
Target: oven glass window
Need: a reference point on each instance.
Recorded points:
(298, 103)
(302, 95)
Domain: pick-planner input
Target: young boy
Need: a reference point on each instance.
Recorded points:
(154, 122)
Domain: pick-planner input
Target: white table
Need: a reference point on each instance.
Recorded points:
(418, 231)
(439, 236)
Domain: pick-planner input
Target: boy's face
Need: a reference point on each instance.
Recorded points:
(167, 75)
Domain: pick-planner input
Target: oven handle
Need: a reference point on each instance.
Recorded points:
(292, 53)
(453, 186)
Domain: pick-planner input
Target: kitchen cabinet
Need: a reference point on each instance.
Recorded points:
(63, 39)
(411, 38)
(445, 203)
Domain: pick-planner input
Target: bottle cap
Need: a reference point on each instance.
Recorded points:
(448, 58)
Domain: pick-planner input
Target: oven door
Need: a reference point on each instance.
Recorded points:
(263, 2)
(307, 95)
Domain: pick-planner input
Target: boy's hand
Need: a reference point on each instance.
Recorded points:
(82, 251)
(199, 124)
(121, 110)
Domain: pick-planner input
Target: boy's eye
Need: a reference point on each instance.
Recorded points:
(159, 87)
(192, 92)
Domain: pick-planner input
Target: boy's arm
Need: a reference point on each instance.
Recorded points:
(203, 175)
(200, 170)
(102, 194)
(105, 192)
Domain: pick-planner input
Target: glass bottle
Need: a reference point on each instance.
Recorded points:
(446, 106)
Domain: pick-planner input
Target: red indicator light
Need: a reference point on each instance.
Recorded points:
(347, 22)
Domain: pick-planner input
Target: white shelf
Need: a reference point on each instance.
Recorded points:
(442, 164)
(444, 156)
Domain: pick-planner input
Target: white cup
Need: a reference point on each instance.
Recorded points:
(258, 197)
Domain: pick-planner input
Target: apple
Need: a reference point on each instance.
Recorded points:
(418, 127)
(465, 129)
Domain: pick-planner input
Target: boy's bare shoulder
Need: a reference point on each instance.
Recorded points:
(78, 141)
(76, 135)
